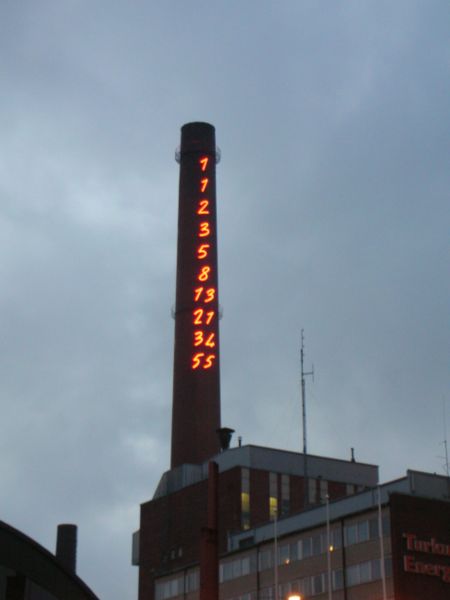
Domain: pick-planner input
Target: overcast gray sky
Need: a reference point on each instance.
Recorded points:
(333, 208)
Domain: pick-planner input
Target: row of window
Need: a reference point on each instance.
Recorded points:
(317, 492)
(313, 585)
(314, 545)
(363, 531)
(237, 568)
(298, 550)
(364, 572)
(177, 585)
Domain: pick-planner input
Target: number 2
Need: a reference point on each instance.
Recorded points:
(203, 207)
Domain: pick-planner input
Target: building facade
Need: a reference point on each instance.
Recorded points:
(284, 521)
(338, 546)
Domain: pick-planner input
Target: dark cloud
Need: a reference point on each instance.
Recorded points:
(332, 195)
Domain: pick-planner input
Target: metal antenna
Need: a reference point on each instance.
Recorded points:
(305, 450)
(445, 442)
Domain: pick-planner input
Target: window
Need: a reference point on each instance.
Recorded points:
(245, 498)
(169, 588)
(266, 593)
(338, 579)
(318, 584)
(363, 531)
(306, 547)
(312, 491)
(351, 534)
(376, 569)
(367, 571)
(353, 575)
(373, 528)
(265, 559)
(233, 569)
(293, 551)
(349, 489)
(285, 495)
(192, 581)
(336, 538)
(284, 555)
(317, 545)
(305, 586)
(273, 495)
(323, 490)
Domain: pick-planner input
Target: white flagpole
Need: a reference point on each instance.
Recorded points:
(380, 534)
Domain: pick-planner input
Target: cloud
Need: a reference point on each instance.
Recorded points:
(332, 197)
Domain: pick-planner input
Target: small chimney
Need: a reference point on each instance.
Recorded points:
(66, 546)
(353, 454)
(224, 434)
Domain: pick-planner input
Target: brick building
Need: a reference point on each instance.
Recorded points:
(335, 544)
(278, 513)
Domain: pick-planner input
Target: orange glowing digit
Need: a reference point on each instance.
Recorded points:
(197, 293)
(204, 274)
(210, 342)
(198, 314)
(209, 316)
(203, 207)
(204, 230)
(198, 338)
(203, 184)
(203, 163)
(196, 360)
(210, 294)
(202, 251)
(209, 361)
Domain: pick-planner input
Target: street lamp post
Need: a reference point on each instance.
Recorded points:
(329, 548)
(275, 554)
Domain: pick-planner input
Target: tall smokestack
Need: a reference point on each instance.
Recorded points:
(66, 546)
(196, 378)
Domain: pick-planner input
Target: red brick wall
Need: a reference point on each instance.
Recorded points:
(427, 520)
(175, 521)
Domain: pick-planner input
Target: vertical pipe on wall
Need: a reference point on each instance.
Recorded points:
(209, 543)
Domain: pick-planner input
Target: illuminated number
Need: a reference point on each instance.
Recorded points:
(203, 207)
(198, 314)
(210, 294)
(197, 359)
(198, 338)
(204, 229)
(210, 340)
(209, 361)
(204, 163)
(204, 274)
(203, 184)
(202, 251)
(209, 316)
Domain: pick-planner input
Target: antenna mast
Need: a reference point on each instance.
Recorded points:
(305, 450)
(447, 472)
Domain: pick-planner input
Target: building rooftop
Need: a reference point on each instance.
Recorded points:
(274, 460)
